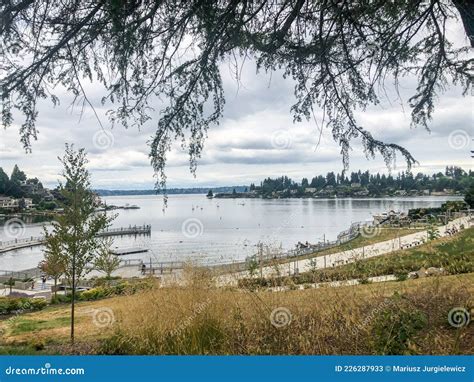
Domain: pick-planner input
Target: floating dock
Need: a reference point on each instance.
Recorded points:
(128, 251)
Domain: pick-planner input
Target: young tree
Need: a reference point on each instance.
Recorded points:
(53, 264)
(340, 55)
(105, 260)
(252, 266)
(210, 194)
(77, 228)
(432, 233)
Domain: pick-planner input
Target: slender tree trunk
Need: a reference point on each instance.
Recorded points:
(73, 298)
(74, 256)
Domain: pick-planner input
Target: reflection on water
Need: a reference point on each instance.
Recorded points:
(194, 227)
(28, 219)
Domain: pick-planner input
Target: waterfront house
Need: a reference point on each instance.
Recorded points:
(7, 202)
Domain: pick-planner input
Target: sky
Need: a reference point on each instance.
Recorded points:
(255, 139)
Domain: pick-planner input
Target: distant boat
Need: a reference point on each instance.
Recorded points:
(130, 207)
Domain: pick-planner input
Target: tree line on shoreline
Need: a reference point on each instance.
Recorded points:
(454, 180)
(19, 186)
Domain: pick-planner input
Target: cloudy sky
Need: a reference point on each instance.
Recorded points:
(255, 139)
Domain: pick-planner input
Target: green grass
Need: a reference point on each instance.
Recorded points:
(19, 350)
(25, 325)
(455, 254)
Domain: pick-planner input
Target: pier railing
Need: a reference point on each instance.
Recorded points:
(32, 241)
(160, 267)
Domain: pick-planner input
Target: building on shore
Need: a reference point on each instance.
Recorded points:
(9, 203)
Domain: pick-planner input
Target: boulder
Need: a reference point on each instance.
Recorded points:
(413, 275)
(421, 272)
(432, 271)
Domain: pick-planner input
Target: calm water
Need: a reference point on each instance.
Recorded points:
(196, 228)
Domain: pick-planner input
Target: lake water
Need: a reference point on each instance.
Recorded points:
(221, 230)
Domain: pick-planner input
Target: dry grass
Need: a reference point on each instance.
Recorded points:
(350, 320)
(389, 318)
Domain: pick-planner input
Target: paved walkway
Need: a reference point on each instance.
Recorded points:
(344, 257)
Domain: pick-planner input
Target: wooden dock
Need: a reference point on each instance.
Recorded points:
(33, 241)
(128, 251)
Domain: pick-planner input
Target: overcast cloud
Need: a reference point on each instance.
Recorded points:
(256, 138)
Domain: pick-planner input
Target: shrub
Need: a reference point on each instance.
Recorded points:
(101, 281)
(96, 293)
(122, 288)
(10, 305)
(60, 299)
(395, 327)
